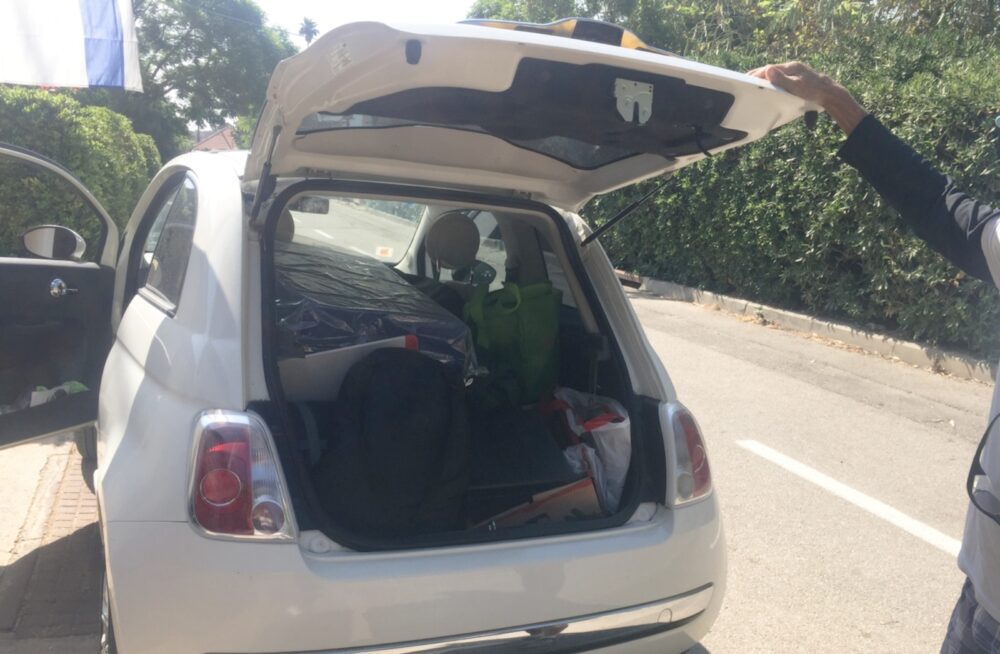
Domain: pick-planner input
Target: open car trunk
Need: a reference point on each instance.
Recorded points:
(440, 371)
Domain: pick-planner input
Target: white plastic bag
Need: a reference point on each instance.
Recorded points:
(583, 460)
(607, 424)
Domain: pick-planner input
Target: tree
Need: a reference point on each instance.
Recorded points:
(202, 62)
(308, 30)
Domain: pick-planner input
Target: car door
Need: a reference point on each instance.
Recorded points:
(58, 248)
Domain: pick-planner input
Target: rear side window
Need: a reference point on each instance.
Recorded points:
(167, 248)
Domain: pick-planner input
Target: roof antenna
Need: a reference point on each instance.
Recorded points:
(618, 217)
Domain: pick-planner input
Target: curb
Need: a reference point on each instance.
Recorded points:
(925, 356)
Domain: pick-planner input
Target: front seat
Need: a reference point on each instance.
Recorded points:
(452, 243)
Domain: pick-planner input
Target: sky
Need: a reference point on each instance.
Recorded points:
(331, 13)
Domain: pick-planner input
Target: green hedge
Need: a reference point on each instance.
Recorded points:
(95, 144)
(784, 222)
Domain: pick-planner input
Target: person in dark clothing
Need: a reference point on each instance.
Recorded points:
(967, 232)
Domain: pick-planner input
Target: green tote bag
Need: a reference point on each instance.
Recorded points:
(517, 331)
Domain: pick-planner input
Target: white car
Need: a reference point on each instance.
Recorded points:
(246, 287)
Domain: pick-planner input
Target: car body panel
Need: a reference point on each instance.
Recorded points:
(252, 597)
(362, 61)
(163, 371)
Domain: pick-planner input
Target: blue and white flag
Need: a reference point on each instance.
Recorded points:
(76, 43)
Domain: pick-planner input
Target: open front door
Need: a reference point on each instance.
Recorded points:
(58, 248)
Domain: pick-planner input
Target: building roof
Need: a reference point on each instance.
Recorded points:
(221, 139)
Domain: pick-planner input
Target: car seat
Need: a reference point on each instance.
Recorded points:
(452, 243)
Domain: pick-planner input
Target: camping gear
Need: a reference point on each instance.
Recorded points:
(328, 299)
(602, 423)
(516, 329)
(396, 462)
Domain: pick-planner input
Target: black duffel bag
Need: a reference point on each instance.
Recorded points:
(397, 461)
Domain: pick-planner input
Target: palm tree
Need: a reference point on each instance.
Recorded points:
(308, 30)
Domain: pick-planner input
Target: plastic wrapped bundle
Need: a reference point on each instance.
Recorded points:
(328, 299)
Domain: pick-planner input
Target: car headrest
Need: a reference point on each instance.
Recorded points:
(285, 229)
(453, 241)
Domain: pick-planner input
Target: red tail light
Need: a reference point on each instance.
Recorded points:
(236, 486)
(692, 475)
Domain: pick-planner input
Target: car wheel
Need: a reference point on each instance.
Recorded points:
(107, 624)
(86, 445)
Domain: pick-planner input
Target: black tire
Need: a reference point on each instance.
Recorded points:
(108, 645)
(86, 443)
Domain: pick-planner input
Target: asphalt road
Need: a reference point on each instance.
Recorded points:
(358, 229)
(840, 476)
(811, 571)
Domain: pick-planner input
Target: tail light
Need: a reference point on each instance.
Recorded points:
(692, 475)
(236, 485)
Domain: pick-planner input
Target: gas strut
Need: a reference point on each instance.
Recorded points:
(625, 212)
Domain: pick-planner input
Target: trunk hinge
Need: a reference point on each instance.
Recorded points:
(267, 181)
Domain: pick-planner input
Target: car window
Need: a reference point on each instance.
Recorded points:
(31, 196)
(381, 229)
(167, 246)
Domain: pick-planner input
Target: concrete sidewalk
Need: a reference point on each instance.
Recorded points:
(51, 574)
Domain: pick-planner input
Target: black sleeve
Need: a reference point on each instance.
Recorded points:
(949, 221)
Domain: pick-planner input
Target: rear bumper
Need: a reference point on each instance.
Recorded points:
(583, 634)
(266, 598)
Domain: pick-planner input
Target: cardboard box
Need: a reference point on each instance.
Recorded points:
(573, 501)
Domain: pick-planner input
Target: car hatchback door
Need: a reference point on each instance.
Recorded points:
(502, 110)
(58, 248)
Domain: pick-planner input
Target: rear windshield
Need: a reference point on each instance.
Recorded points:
(571, 151)
(382, 229)
(565, 111)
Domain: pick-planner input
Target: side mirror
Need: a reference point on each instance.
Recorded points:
(54, 242)
(478, 274)
(313, 204)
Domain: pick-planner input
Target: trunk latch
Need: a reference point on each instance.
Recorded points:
(632, 96)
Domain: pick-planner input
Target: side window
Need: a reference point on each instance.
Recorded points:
(165, 252)
(32, 196)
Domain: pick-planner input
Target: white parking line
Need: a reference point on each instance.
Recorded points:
(893, 516)
(323, 234)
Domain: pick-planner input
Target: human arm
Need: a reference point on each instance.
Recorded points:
(958, 226)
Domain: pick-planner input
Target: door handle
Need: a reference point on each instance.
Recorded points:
(58, 288)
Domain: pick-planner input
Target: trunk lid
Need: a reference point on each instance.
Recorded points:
(470, 106)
